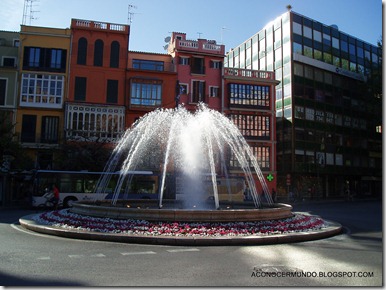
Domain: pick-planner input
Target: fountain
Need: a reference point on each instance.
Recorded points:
(195, 147)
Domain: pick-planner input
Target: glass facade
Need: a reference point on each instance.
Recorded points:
(249, 95)
(325, 103)
(92, 122)
(42, 90)
(146, 93)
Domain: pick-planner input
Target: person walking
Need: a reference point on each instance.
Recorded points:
(56, 197)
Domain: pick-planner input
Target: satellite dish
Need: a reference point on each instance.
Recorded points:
(167, 39)
(166, 47)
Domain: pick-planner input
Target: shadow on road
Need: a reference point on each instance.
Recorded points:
(11, 280)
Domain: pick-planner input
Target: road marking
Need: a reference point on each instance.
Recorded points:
(44, 258)
(76, 256)
(183, 250)
(98, 255)
(138, 253)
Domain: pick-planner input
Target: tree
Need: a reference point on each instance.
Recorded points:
(75, 155)
(12, 155)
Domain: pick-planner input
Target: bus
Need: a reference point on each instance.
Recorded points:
(229, 189)
(81, 186)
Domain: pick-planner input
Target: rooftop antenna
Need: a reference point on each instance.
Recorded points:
(199, 34)
(222, 30)
(130, 14)
(28, 12)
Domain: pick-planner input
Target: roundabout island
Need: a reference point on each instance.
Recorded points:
(193, 150)
(271, 225)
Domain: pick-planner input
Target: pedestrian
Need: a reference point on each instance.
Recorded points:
(273, 195)
(247, 193)
(55, 199)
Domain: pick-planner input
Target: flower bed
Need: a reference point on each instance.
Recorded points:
(65, 219)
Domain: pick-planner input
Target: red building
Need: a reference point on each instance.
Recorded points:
(95, 107)
(249, 101)
(247, 97)
(199, 68)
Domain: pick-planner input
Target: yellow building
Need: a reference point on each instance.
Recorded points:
(43, 77)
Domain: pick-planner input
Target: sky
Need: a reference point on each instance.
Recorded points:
(229, 22)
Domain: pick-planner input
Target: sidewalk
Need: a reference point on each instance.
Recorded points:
(327, 200)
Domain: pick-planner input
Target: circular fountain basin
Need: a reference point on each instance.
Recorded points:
(147, 210)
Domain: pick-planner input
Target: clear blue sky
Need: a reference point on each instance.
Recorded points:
(228, 21)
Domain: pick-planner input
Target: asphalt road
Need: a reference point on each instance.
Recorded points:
(353, 258)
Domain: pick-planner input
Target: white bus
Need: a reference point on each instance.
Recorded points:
(81, 185)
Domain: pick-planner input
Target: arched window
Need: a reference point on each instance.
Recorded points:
(98, 53)
(82, 51)
(114, 54)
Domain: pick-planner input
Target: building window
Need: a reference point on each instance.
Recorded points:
(28, 128)
(82, 51)
(215, 64)
(317, 36)
(9, 61)
(50, 129)
(344, 45)
(42, 90)
(56, 58)
(184, 60)
(98, 53)
(3, 91)
(249, 95)
(307, 32)
(114, 54)
(41, 58)
(80, 89)
(33, 56)
(297, 28)
(299, 112)
(262, 154)
(297, 48)
(148, 64)
(146, 93)
(197, 65)
(184, 89)
(87, 122)
(112, 92)
(198, 91)
(214, 91)
(252, 126)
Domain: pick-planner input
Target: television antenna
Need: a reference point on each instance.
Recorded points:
(222, 31)
(28, 12)
(130, 14)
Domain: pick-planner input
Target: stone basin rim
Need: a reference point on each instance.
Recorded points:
(277, 211)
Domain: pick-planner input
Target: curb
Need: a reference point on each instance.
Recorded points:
(332, 230)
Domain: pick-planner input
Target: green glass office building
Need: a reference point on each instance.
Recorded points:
(328, 106)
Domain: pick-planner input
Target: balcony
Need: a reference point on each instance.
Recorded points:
(238, 73)
(38, 141)
(201, 45)
(98, 25)
(162, 67)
